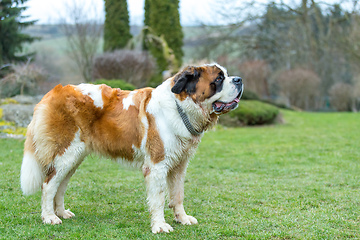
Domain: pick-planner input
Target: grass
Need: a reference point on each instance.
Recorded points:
(299, 180)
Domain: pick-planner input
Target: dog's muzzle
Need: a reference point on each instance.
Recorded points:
(221, 107)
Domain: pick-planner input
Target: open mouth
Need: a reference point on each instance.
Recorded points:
(220, 107)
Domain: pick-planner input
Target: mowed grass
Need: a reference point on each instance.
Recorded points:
(298, 180)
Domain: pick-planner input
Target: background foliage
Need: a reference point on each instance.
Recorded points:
(115, 83)
(116, 27)
(11, 37)
(162, 16)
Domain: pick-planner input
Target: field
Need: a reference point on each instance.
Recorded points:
(298, 180)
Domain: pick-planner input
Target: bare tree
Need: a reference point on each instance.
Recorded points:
(342, 97)
(133, 66)
(316, 35)
(256, 74)
(83, 28)
(300, 87)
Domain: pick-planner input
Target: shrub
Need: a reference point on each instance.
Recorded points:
(250, 112)
(341, 96)
(25, 79)
(134, 67)
(255, 74)
(116, 84)
(249, 95)
(300, 86)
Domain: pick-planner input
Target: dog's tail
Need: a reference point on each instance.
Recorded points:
(32, 175)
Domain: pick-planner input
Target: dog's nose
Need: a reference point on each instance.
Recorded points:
(237, 80)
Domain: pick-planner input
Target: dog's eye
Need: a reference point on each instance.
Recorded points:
(219, 79)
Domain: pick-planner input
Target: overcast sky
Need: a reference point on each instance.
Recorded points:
(192, 12)
(49, 11)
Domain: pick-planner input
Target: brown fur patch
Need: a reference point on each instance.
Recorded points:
(146, 171)
(203, 89)
(29, 145)
(154, 143)
(117, 130)
(50, 174)
(111, 130)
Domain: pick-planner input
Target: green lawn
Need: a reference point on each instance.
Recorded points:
(298, 180)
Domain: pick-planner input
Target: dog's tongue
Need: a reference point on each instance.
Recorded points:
(219, 105)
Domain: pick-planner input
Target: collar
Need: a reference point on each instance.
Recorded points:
(186, 121)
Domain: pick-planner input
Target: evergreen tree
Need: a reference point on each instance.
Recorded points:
(162, 16)
(11, 38)
(147, 13)
(146, 25)
(116, 28)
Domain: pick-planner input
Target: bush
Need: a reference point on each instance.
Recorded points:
(249, 95)
(341, 96)
(250, 112)
(255, 74)
(25, 79)
(300, 87)
(116, 84)
(134, 67)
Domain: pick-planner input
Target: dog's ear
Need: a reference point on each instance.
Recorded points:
(186, 80)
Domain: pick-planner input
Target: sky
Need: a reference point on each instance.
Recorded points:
(192, 12)
(49, 11)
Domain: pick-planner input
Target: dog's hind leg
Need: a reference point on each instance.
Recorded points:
(59, 197)
(56, 181)
(175, 178)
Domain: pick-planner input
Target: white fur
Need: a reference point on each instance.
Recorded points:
(32, 175)
(162, 105)
(94, 92)
(172, 131)
(127, 102)
(65, 166)
(40, 137)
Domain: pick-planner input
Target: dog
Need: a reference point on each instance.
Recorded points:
(154, 129)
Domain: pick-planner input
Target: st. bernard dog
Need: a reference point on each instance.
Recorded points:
(156, 130)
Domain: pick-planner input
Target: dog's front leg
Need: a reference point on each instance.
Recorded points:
(155, 178)
(175, 180)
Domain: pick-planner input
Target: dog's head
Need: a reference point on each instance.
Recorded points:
(209, 86)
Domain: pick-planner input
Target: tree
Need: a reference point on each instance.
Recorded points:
(256, 73)
(82, 35)
(11, 38)
(307, 35)
(162, 16)
(116, 27)
(300, 87)
(342, 97)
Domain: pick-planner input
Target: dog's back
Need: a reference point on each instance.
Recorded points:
(100, 113)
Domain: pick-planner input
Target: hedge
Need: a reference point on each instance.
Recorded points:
(116, 83)
(250, 112)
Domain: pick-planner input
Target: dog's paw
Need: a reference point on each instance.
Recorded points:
(66, 214)
(161, 227)
(185, 219)
(51, 219)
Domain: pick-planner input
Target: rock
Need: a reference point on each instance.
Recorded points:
(9, 135)
(20, 114)
(6, 127)
(23, 99)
